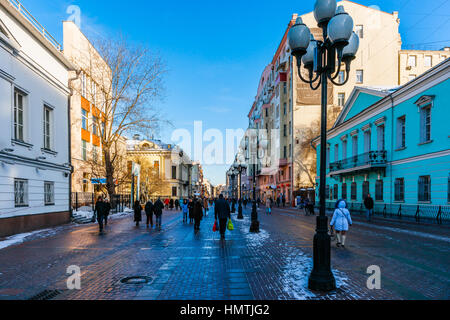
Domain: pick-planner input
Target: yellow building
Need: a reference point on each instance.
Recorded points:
(412, 63)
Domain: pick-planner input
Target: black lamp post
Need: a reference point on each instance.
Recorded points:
(319, 59)
(240, 168)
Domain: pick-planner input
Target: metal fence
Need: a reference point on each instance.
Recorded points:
(86, 201)
(417, 212)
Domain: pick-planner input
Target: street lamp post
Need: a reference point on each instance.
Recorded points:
(319, 59)
(240, 168)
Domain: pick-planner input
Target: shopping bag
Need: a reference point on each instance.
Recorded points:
(215, 226)
(230, 225)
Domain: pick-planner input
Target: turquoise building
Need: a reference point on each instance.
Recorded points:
(395, 145)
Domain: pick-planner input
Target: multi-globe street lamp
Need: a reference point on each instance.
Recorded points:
(240, 167)
(319, 59)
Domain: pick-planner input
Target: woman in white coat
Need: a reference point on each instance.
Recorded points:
(341, 221)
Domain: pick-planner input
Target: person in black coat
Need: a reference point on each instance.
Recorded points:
(137, 212)
(171, 204)
(191, 210)
(368, 203)
(177, 204)
(158, 210)
(100, 212)
(107, 210)
(149, 212)
(222, 213)
(233, 205)
(198, 213)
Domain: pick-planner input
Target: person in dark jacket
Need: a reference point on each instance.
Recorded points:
(283, 200)
(137, 212)
(191, 210)
(198, 214)
(368, 203)
(99, 211)
(177, 204)
(171, 204)
(158, 210)
(149, 212)
(245, 203)
(233, 205)
(222, 213)
(107, 210)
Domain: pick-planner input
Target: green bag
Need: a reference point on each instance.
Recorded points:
(230, 225)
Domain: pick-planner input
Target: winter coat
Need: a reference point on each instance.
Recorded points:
(185, 208)
(137, 213)
(222, 209)
(368, 203)
(341, 218)
(149, 208)
(191, 209)
(100, 209)
(198, 210)
(158, 208)
(171, 204)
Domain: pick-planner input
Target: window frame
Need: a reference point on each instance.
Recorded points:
(19, 127)
(47, 127)
(359, 76)
(399, 190)
(425, 124)
(424, 189)
(379, 190)
(24, 186)
(49, 193)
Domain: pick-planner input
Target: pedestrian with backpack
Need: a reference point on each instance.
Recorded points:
(340, 222)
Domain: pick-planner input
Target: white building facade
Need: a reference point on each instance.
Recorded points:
(34, 133)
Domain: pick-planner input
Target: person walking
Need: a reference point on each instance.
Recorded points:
(171, 204)
(245, 203)
(198, 214)
(233, 205)
(99, 212)
(368, 203)
(107, 211)
(166, 203)
(185, 209)
(177, 204)
(205, 206)
(278, 201)
(149, 213)
(341, 221)
(283, 200)
(191, 211)
(222, 214)
(158, 210)
(137, 212)
(268, 206)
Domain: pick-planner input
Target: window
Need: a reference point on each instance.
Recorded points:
(84, 119)
(85, 182)
(103, 129)
(94, 92)
(49, 193)
(290, 150)
(328, 157)
(353, 191)
(344, 191)
(290, 127)
(95, 125)
(174, 191)
(327, 192)
(428, 61)
(285, 130)
(344, 149)
(94, 154)
(267, 112)
(341, 77)
(335, 192)
(399, 189)
(174, 172)
(336, 152)
(355, 146)
(20, 192)
(412, 60)
(284, 87)
(359, 76)
(341, 99)
(379, 190)
(83, 84)
(425, 124)
(47, 127)
(83, 150)
(284, 152)
(367, 140)
(365, 189)
(284, 108)
(19, 115)
(359, 30)
(401, 132)
(424, 188)
(380, 138)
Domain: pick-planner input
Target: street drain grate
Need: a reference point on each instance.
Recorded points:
(137, 280)
(46, 295)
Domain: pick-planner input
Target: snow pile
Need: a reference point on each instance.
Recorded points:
(19, 238)
(254, 239)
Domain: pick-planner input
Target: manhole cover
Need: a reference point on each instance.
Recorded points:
(46, 295)
(136, 280)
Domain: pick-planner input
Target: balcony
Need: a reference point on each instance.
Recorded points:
(362, 162)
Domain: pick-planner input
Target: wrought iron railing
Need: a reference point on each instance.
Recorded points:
(27, 15)
(372, 158)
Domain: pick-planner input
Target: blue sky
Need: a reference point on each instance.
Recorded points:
(215, 51)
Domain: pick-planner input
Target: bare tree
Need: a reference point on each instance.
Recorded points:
(123, 82)
(151, 182)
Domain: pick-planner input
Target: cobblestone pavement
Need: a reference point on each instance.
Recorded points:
(273, 264)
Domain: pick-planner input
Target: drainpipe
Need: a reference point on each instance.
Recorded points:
(392, 145)
(69, 119)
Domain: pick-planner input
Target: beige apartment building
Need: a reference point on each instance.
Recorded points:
(87, 108)
(412, 63)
